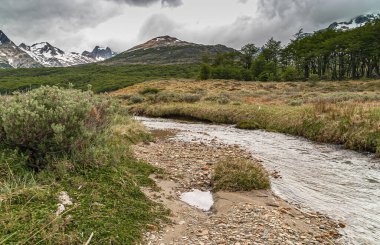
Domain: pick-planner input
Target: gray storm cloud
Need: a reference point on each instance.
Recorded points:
(144, 3)
(64, 22)
(61, 21)
(49, 20)
(280, 19)
(317, 11)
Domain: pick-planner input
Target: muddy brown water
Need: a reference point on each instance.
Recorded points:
(326, 178)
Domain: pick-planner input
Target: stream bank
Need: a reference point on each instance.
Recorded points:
(256, 217)
(343, 184)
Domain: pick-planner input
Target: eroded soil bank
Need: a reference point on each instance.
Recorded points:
(256, 217)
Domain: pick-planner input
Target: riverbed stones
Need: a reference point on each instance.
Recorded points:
(237, 218)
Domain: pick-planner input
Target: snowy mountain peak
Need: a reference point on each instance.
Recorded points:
(356, 22)
(50, 56)
(162, 41)
(12, 56)
(46, 49)
(3, 38)
(100, 53)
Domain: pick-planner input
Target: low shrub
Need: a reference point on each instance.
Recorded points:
(205, 72)
(221, 99)
(135, 99)
(51, 122)
(290, 74)
(264, 77)
(166, 97)
(240, 175)
(295, 103)
(149, 91)
(313, 80)
(190, 98)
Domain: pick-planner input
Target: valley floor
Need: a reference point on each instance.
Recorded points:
(256, 217)
(345, 112)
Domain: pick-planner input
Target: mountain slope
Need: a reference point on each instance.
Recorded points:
(12, 56)
(50, 56)
(166, 50)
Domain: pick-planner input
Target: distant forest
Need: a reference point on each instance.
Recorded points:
(325, 55)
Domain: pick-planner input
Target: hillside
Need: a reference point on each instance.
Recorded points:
(101, 78)
(166, 50)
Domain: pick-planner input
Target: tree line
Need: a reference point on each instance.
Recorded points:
(325, 55)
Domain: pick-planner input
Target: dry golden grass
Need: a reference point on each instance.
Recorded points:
(336, 112)
(269, 92)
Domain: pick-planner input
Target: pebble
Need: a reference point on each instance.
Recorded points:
(191, 166)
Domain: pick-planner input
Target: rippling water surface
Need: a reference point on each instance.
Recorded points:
(326, 178)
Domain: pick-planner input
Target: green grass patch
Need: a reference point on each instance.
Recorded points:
(240, 175)
(107, 201)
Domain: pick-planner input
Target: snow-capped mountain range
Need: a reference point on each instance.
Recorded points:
(11, 56)
(50, 56)
(356, 22)
(45, 55)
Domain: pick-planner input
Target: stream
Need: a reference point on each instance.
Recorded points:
(326, 178)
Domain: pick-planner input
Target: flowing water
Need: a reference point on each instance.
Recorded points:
(321, 177)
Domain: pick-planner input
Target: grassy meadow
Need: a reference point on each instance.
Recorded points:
(345, 112)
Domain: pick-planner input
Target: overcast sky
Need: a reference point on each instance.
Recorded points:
(77, 25)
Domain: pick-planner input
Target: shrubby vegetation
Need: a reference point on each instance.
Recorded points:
(102, 78)
(325, 55)
(51, 122)
(54, 140)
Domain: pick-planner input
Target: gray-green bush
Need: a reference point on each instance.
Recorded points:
(165, 97)
(135, 99)
(51, 122)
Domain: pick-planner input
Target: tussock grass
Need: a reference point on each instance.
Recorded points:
(240, 175)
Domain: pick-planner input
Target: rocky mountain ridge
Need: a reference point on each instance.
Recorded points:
(45, 55)
(50, 56)
(11, 56)
(356, 22)
(100, 53)
(167, 50)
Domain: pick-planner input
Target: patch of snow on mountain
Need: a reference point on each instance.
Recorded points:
(50, 56)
